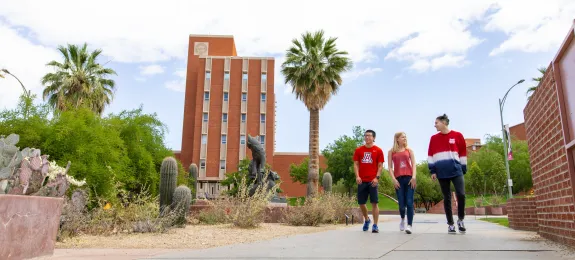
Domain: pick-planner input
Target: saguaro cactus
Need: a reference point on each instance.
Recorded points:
(193, 178)
(326, 182)
(168, 180)
(181, 203)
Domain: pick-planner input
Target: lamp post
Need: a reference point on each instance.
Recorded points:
(27, 93)
(504, 137)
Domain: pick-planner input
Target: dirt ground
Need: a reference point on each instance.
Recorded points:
(192, 237)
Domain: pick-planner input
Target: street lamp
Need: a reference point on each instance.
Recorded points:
(8, 72)
(504, 136)
(27, 94)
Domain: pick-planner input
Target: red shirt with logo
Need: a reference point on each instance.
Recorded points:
(368, 159)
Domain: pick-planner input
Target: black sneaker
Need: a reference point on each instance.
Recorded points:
(451, 229)
(461, 226)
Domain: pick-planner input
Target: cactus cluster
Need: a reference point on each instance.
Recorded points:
(182, 200)
(326, 182)
(28, 172)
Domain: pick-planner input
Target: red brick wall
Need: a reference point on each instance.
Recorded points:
(518, 132)
(550, 170)
(522, 213)
(282, 162)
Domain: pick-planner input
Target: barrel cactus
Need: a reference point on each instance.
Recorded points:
(168, 179)
(326, 182)
(182, 200)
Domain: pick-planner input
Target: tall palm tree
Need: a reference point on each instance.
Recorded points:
(79, 81)
(313, 68)
(532, 89)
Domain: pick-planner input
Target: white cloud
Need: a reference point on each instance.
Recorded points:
(427, 34)
(540, 25)
(24, 60)
(151, 70)
(178, 85)
(354, 74)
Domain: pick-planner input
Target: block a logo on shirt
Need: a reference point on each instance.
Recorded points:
(367, 158)
(402, 164)
(451, 140)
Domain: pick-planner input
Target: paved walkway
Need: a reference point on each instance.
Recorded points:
(429, 241)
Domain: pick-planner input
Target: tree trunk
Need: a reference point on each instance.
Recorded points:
(313, 166)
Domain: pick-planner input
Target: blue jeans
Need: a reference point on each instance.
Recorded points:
(405, 198)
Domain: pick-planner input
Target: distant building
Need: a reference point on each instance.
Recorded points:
(472, 144)
(518, 132)
(227, 98)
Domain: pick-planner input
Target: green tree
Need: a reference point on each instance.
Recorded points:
(493, 168)
(298, 172)
(474, 179)
(427, 192)
(313, 68)
(532, 89)
(339, 155)
(79, 81)
(519, 167)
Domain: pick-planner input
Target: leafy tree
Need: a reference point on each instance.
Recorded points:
(298, 172)
(79, 81)
(339, 155)
(493, 168)
(532, 89)
(519, 167)
(27, 120)
(313, 68)
(474, 179)
(427, 192)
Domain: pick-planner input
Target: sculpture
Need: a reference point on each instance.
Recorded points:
(257, 168)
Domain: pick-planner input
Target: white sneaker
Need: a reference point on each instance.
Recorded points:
(402, 226)
(408, 229)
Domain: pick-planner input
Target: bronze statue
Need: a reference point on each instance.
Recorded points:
(257, 168)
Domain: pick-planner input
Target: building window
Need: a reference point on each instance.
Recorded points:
(477, 143)
(223, 164)
(244, 96)
(264, 76)
(224, 139)
(245, 76)
(224, 117)
(263, 118)
(262, 139)
(226, 96)
(227, 75)
(201, 185)
(242, 139)
(202, 163)
(244, 118)
(204, 139)
(206, 95)
(205, 117)
(208, 75)
(263, 96)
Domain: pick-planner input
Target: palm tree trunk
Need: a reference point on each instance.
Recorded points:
(313, 170)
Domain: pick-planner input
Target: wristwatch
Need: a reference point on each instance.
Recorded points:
(377, 177)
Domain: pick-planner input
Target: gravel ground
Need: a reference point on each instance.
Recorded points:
(192, 237)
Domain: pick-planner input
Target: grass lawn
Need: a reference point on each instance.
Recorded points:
(469, 200)
(500, 221)
(384, 203)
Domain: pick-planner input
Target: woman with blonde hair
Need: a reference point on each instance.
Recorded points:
(402, 170)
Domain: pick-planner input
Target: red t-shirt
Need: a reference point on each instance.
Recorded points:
(368, 159)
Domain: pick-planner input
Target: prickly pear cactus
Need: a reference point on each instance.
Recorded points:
(182, 200)
(326, 182)
(168, 179)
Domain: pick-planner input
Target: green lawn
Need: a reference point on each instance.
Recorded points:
(469, 200)
(501, 221)
(384, 203)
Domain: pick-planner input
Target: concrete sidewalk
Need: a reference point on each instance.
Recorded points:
(429, 241)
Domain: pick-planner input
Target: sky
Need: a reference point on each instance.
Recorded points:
(413, 60)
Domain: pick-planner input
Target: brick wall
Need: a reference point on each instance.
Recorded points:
(549, 163)
(282, 162)
(522, 213)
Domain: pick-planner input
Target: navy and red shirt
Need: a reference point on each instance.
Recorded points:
(447, 155)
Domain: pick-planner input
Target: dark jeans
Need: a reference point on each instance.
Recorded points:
(405, 198)
(459, 184)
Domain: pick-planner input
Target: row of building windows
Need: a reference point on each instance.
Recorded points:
(225, 117)
(242, 139)
(227, 75)
(226, 96)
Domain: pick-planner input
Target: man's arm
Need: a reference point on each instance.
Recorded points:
(430, 161)
(461, 146)
(380, 161)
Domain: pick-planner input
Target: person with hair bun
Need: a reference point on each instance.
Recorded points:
(447, 159)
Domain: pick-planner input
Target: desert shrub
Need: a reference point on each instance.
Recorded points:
(322, 209)
(218, 212)
(249, 211)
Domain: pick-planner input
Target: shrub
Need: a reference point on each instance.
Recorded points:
(324, 208)
(249, 211)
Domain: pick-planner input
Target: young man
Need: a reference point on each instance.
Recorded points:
(447, 159)
(368, 162)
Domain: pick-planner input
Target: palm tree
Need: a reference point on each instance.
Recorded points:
(313, 68)
(80, 81)
(532, 89)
